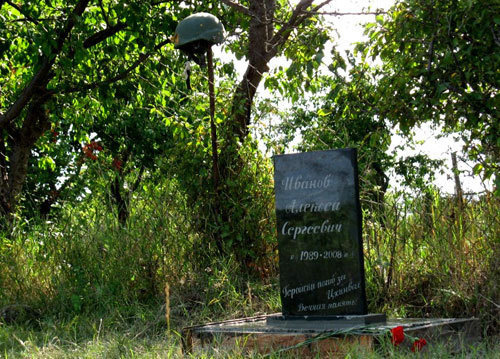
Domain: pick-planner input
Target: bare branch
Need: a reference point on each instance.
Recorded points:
(317, 7)
(29, 20)
(337, 13)
(298, 16)
(103, 35)
(160, 2)
(283, 33)
(237, 7)
(18, 8)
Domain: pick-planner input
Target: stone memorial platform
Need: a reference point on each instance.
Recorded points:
(322, 278)
(259, 335)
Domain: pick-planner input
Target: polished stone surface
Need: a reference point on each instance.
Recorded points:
(325, 322)
(319, 233)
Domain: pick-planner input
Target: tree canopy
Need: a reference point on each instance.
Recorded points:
(97, 86)
(440, 64)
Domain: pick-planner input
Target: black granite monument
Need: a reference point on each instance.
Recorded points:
(319, 236)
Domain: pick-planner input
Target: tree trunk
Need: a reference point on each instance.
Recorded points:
(264, 42)
(14, 171)
(459, 194)
(121, 201)
(18, 170)
(121, 194)
(259, 54)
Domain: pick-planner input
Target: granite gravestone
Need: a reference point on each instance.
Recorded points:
(319, 234)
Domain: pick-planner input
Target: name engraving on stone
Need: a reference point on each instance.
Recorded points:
(297, 183)
(294, 207)
(349, 288)
(325, 227)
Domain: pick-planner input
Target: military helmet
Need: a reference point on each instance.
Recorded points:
(196, 27)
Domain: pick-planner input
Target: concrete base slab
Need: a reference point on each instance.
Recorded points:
(256, 334)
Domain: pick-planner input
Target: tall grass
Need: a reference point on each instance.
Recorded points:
(425, 256)
(434, 256)
(87, 262)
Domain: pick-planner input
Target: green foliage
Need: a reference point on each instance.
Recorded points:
(108, 82)
(89, 280)
(304, 53)
(241, 217)
(87, 72)
(440, 63)
(417, 171)
(424, 254)
(86, 248)
(344, 116)
(141, 333)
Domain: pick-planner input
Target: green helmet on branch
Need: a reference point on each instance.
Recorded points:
(196, 34)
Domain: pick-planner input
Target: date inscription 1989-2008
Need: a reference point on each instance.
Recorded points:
(318, 255)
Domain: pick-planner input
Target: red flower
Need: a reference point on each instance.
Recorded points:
(398, 335)
(418, 345)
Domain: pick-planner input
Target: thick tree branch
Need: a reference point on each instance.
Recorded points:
(142, 58)
(298, 16)
(35, 124)
(237, 7)
(103, 35)
(338, 13)
(41, 78)
(294, 18)
(104, 14)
